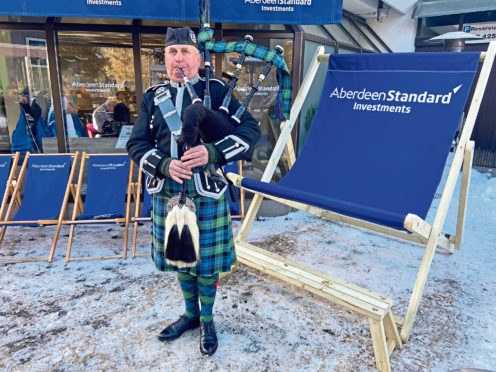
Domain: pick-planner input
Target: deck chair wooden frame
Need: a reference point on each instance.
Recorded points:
(136, 219)
(14, 200)
(78, 208)
(10, 185)
(384, 326)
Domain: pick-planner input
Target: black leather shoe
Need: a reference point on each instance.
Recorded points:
(176, 329)
(208, 338)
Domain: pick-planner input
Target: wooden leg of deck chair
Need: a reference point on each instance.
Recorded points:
(2, 234)
(462, 206)
(380, 347)
(250, 217)
(69, 244)
(392, 335)
(18, 200)
(135, 237)
(54, 242)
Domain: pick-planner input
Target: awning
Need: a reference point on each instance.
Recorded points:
(235, 11)
(437, 8)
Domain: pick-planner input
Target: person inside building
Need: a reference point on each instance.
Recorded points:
(122, 115)
(150, 146)
(103, 117)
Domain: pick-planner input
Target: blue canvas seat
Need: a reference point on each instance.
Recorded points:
(361, 157)
(107, 198)
(373, 158)
(47, 186)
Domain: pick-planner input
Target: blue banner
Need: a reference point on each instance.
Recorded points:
(235, 11)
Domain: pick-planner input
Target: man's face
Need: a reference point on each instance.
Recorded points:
(185, 57)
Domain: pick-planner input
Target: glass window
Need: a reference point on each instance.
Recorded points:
(314, 30)
(365, 29)
(152, 59)
(97, 74)
(9, 18)
(339, 35)
(353, 30)
(311, 103)
(253, 26)
(263, 103)
(162, 23)
(24, 89)
(97, 21)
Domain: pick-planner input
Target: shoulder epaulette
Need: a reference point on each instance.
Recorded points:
(156, 86)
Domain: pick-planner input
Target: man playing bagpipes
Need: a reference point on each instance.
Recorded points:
(190, 210)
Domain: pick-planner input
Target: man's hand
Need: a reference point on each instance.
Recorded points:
(178, 171)
(195, 157)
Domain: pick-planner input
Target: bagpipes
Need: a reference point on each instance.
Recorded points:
(201, 123)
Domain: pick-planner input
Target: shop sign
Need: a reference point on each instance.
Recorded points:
(485, 30)
(236, 11)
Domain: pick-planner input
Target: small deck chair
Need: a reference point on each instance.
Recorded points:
(143, 211)
(107, 199)
(8, 165)
(46, 192)
(373, 158)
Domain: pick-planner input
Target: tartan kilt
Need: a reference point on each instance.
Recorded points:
(217, 253)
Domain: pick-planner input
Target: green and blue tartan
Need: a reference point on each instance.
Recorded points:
(217, 253)
(258, 51)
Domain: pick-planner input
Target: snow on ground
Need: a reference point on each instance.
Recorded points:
(106, 314)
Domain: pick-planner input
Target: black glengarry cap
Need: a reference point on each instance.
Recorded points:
(183, 36)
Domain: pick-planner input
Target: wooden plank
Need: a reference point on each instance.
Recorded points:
(93, 258)
(307, 285)
(347, 294)
(24, 259)
(392, 334)
(380, 347)
(8, 188)
(448, 192)
(264, 254)
(464, 188)
(417, 225)
(64, 206)
(15, 194)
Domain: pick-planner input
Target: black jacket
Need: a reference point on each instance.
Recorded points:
(150, 130)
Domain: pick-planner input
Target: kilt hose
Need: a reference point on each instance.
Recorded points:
(217, 253)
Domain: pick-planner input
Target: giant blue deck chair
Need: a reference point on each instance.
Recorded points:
(48, 178)
(373, 158)
(107, 198)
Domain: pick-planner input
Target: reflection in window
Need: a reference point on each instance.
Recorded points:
(357, 35)
(98, 84)
(253, 26)
(365, 29)
(311, 103)
(314, 30)
(152, 59)
(24, 90)
(263, 103)
(339, 35)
